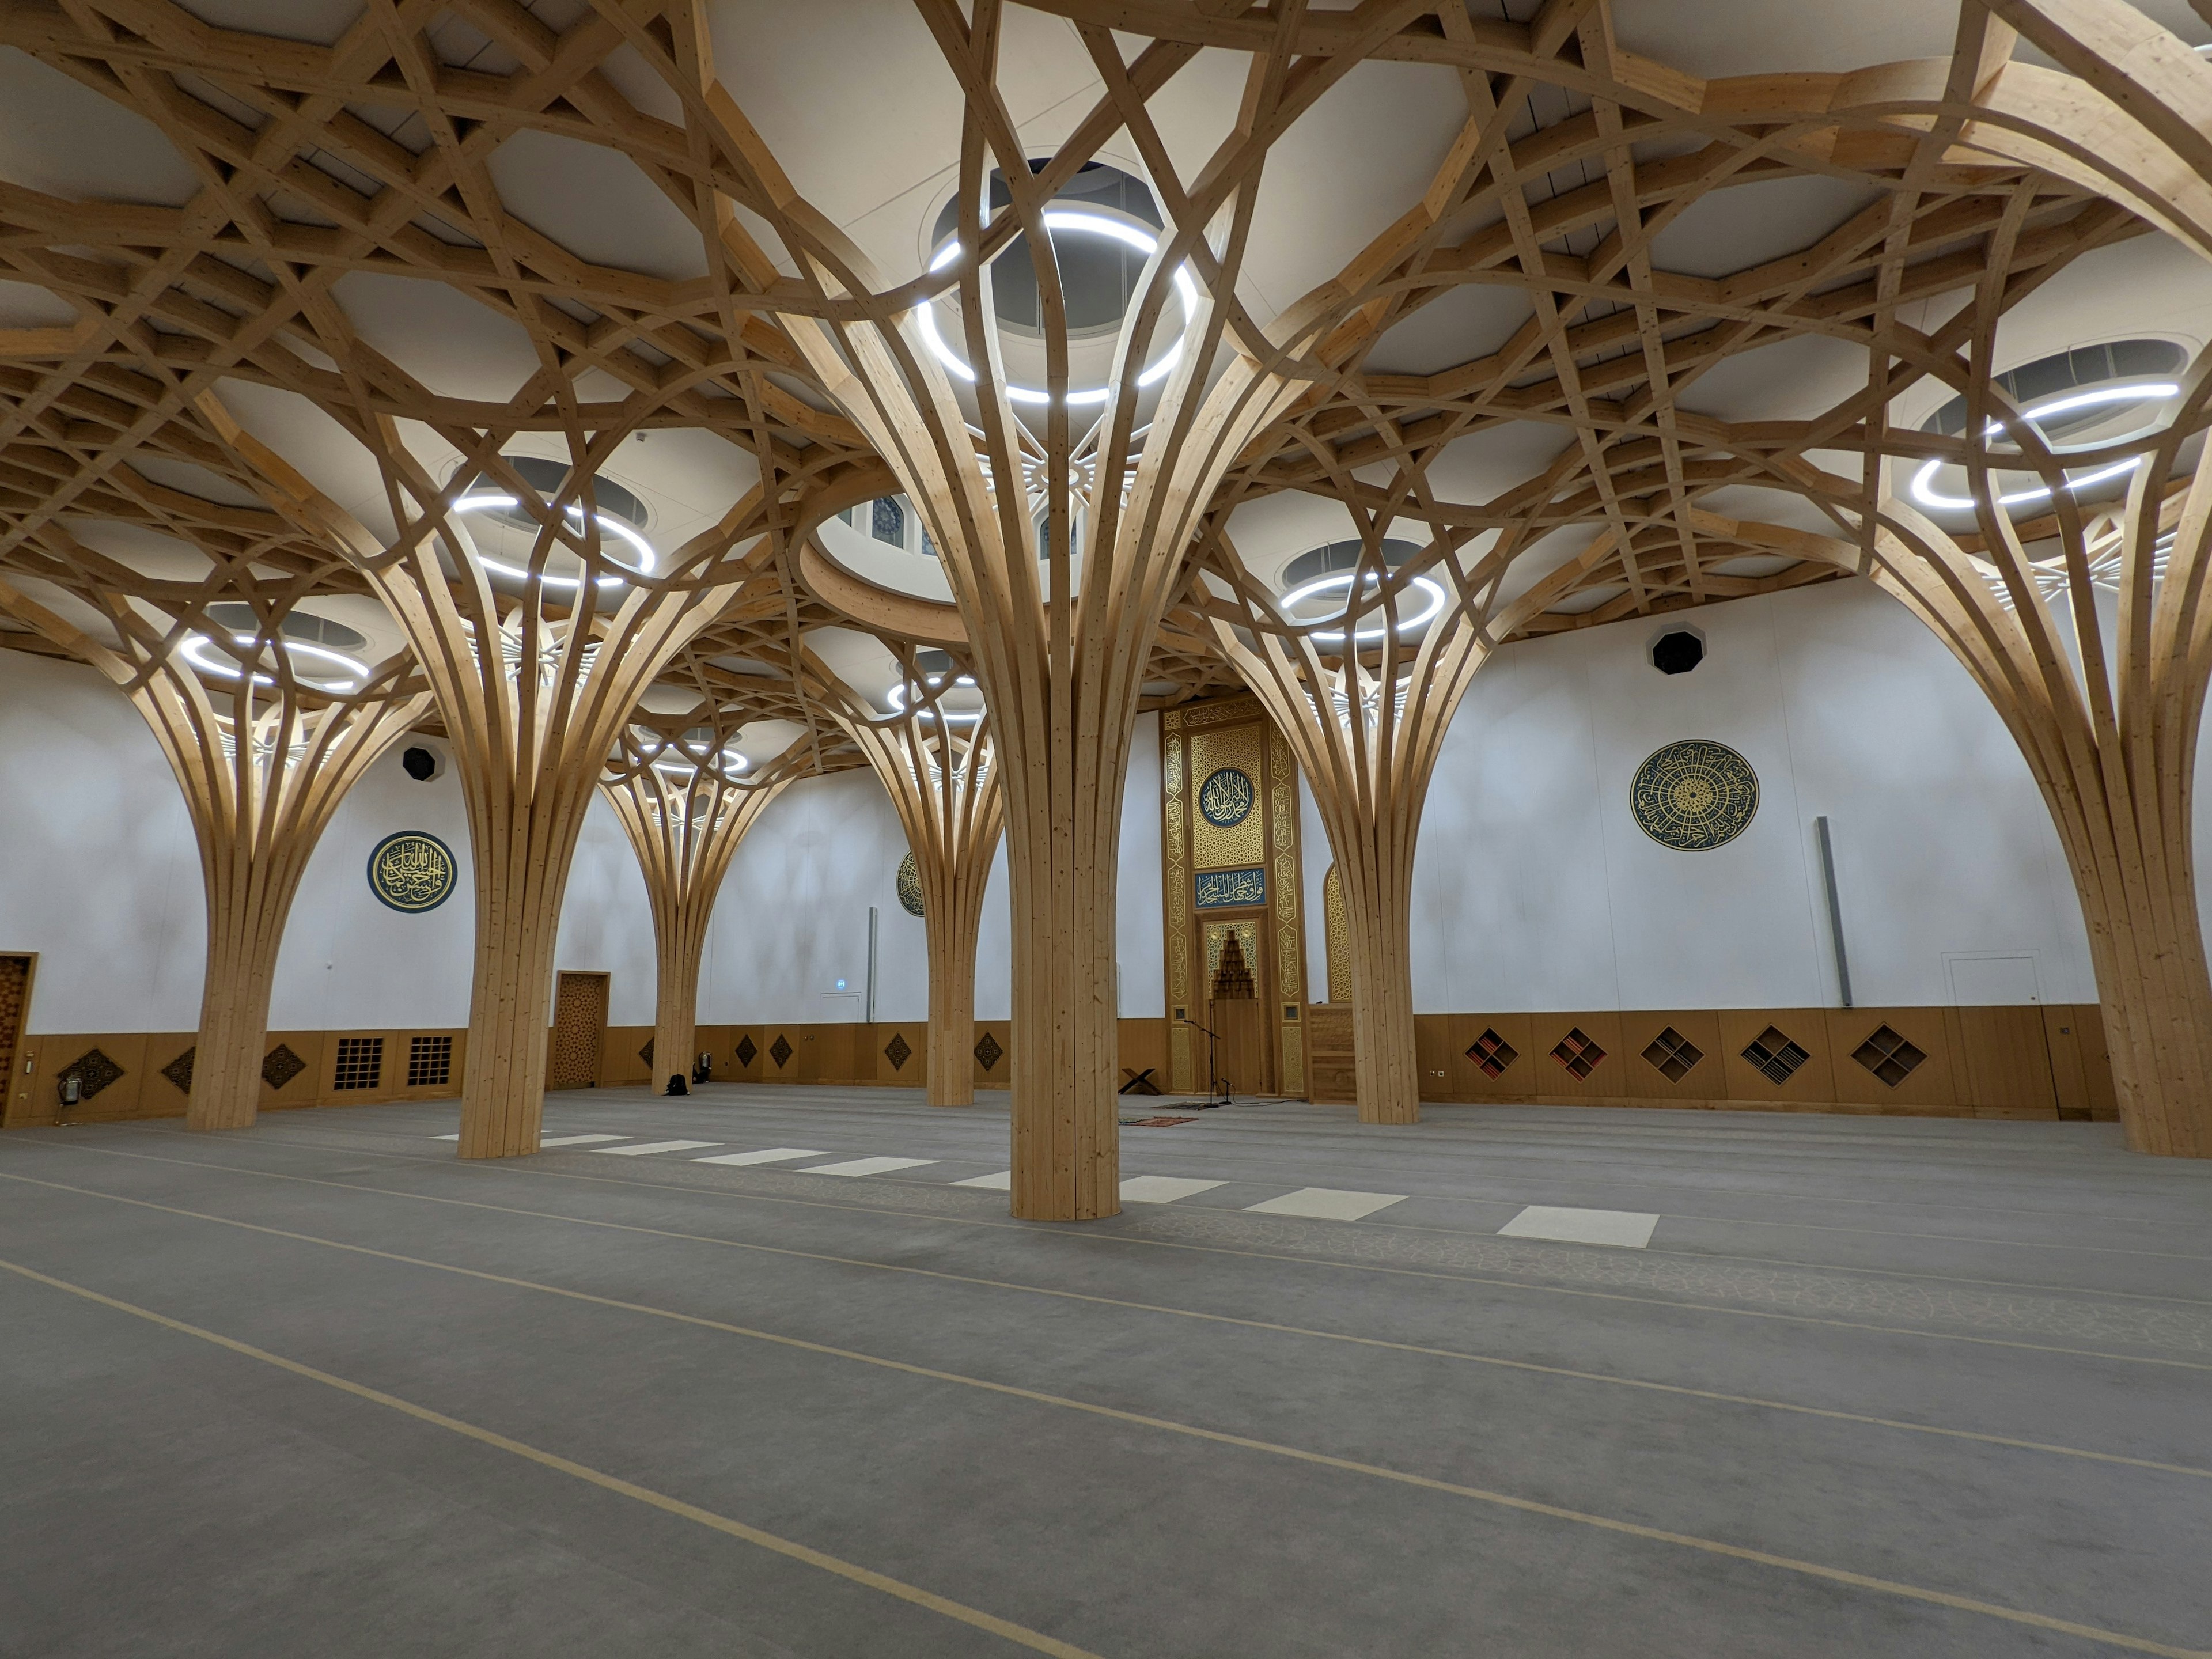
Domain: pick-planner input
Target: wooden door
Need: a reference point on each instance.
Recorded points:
(579, 1021)
(1241, 1057)
(14, 1015)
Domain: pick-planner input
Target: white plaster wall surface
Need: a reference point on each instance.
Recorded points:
(606, 920)
(1535, 889)
(350, 962)
(1140, 926)
(99, 873)
(793, 917)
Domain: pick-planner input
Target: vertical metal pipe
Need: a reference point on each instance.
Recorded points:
(1835, 908)
(872, 960)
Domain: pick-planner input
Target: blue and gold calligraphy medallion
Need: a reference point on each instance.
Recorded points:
(1224, 799)
(1694, 795)
(909, 885)
(412, 871)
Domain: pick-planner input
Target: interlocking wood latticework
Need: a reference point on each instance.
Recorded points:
(1097, 553)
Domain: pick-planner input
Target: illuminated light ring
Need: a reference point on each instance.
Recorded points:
(1923, 491)
(952, 717)
(197, 646)
(1343, 579)
(1091, 223)
(492, 500)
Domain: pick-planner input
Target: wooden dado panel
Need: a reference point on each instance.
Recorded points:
(2029, 1062)
(143, 1091)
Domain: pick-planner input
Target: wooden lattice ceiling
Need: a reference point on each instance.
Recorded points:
(289, 173)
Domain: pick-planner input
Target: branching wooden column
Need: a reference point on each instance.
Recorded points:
(685, 802)
(263, 747)
(2097, 654)
(1060, 528)
(938, 763)
(537, 669)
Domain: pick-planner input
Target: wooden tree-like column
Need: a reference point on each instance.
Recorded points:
(2106, 710)
(939, 767)
(263, 758)
(1062, 530)
(685, 803)
(535, 678)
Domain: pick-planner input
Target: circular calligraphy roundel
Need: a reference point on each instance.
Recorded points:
(412, 871)
(1694, 795)
(1225, 797)
(909, 885)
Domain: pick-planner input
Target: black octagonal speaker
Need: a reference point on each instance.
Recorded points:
(422, 764)
(1677, 653)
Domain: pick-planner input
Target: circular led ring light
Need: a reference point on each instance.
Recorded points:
(197, 646)
(1343, 579)
(1089, 224)
(952, 717)
(490, 501)
(1923, 489)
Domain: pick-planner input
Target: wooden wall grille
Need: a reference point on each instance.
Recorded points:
(1672, 1055)
(1888, 1056)
(1774, 1055)
(1492, 1054)
(579, 1018)
(1580, 1056)
(360, 1063)
(430, 1061)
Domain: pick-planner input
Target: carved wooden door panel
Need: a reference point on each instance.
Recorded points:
(580, 1021)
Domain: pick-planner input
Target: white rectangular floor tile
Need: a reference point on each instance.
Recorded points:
(453, 1137)
(653, 1146)
(860, 1166)
(577, 1140)
(1327, 1204)
(1162, 1189)
(773, 1155)
(1001, 1182)
(1627, 1228)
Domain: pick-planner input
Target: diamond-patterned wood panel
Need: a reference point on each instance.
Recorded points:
(281, 1066)
(92, 1070)
(987, 1052)
(780, 1051)
(746, 1052)
(179, 1070)
(897, 1052)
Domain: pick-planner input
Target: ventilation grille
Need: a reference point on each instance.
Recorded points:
(361, 1063)
(1672, 1055)
(1774, 1056)
(1577, 1053)
(1888, 1056)
(1491, 1053)
(430, 1061)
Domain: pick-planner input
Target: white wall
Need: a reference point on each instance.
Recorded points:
(1534, 888)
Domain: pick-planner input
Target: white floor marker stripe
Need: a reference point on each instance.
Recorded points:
(1163, 1190)
(653, 1146)
(1627, 1229)
(1326, 1204)
(773, 1155)
(868, 1166)
(1001, 1182)
(577, 1140)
